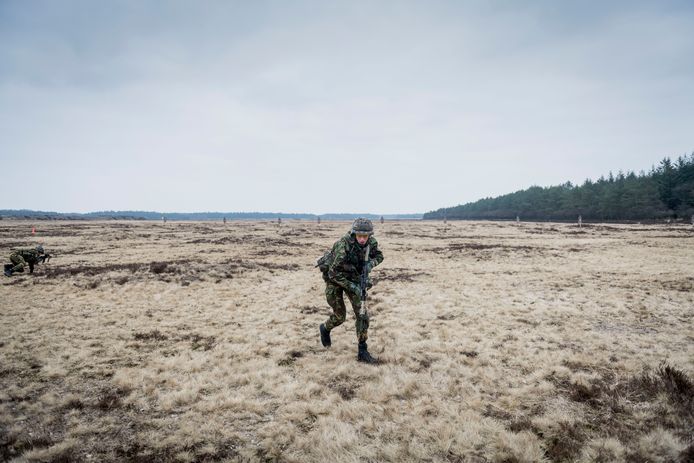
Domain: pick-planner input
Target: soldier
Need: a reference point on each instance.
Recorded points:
(343, 275)
(21, 257)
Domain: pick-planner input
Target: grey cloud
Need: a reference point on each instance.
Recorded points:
(244, 105)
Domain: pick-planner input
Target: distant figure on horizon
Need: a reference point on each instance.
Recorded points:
(342, 271)
(24, 256)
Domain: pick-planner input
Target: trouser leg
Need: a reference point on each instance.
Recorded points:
(18, 262)
(334, 296)
(361, 324)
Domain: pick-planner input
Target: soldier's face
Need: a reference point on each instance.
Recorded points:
(362, 239)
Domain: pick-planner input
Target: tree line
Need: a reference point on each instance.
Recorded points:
(665, 192)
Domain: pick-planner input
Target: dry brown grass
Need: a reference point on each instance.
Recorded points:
(498, 342)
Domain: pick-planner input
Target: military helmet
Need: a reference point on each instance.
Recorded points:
(39, 249)
(363, 226)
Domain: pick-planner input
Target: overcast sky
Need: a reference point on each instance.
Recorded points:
(314, 106)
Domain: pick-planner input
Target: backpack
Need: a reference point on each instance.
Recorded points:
(325, 261)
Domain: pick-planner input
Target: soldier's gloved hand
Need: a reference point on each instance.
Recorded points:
(370, 265)
(369, 284)
(353, 287)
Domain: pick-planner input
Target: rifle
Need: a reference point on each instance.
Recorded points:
(44, 258)
(363, 283)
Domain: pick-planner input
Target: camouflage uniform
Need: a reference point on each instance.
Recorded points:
(343, 277)
(22, 257)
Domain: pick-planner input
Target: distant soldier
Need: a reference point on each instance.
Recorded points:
(342, 272)
(22, 257)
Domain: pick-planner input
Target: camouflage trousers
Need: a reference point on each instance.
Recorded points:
(334, 295)
(18, 262)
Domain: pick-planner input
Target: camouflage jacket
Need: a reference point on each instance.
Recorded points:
(30, 255)
(348, 260)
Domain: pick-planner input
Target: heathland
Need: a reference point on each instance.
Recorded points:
(498, 342)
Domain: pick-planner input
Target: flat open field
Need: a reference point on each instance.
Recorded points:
(498, 342)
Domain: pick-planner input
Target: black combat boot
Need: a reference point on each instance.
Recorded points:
(324, 335)
(363, 355)
(8, 272)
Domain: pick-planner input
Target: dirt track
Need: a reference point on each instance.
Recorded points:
(146, 341)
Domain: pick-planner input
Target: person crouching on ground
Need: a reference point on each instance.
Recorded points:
(22, 257)
(343, 276)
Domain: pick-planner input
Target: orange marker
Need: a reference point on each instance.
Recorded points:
(33, 230)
